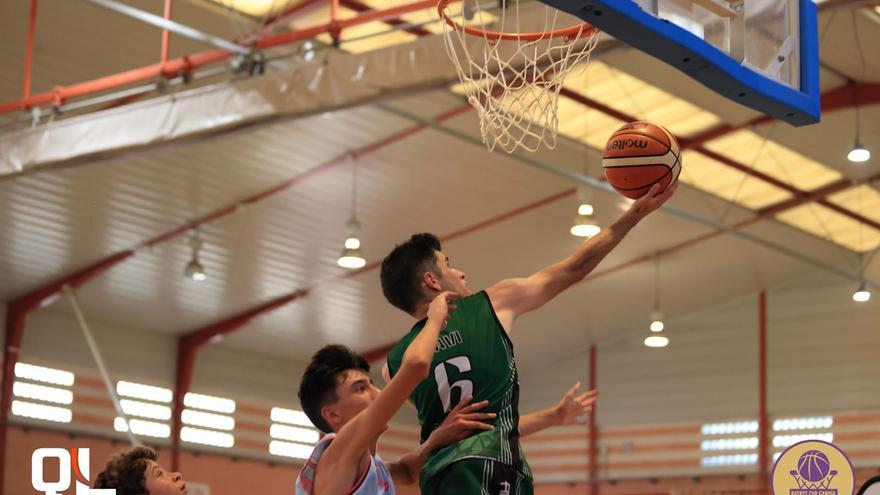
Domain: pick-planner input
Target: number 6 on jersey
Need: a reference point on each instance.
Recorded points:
(463, 364)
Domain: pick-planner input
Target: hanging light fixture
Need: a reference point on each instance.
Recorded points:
(858, 154)
(862, 294)
(658, 337)
(351, 257)
(657, 321)
(585, 224)
(351, 253)
(194, 269)
(657, 340)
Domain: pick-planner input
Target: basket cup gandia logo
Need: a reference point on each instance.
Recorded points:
(813, 467)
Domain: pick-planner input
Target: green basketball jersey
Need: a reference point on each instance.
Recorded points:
(474, 356)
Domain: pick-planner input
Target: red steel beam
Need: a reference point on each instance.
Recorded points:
(359, 6)
(166, 35)
(335, 31)
(29, 51)
(187, 63)
(213, 332)
(820, 193)
(836, 99)
(845, 96)
(717, 132)
(595, 105)
(288, 16)
(850, 95)
(189, 344)
(385, 14)
(60, 94)
(798, 193)
(593, 432)
(125, 100)
(763, 421)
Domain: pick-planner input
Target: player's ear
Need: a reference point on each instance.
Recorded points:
(331, 416)
(431, 281)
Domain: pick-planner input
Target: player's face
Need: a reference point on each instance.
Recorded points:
(158, 481)
(451, 279)
(355, 393)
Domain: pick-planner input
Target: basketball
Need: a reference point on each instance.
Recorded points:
(639, 155)
(813, 465)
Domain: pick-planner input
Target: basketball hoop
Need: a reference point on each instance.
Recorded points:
(513, 77)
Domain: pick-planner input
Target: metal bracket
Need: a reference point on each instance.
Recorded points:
(721, 8)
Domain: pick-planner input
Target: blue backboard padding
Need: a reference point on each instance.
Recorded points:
(626, 21)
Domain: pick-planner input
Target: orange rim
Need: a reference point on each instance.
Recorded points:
(576, 31)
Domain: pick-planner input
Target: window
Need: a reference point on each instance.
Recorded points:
(729, 460)
(146, 407)
(49, 400)
(208, 420)
(789, 431)
(292, 434)
(729, 444)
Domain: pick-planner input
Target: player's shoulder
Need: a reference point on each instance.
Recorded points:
(399, 348)
(477, 305)
(476, 300)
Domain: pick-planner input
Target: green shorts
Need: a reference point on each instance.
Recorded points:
(478, 477)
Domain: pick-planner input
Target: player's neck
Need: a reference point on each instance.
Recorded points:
(421, 311)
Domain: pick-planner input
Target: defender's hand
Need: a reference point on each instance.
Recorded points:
(463, 420)
(573, 409)
(441, 306)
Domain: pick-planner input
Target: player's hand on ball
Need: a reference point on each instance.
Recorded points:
(652, 200)
(442, 305)
(462, 421)
(572, 409)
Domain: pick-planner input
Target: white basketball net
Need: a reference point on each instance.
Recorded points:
(514, 84)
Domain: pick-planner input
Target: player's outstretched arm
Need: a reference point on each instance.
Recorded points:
(461, 422)
(571, 409)
(513, 297)
(339, 463)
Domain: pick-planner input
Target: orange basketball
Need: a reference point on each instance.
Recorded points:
(639, 155)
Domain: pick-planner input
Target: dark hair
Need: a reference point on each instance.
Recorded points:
(318, 386)
(125, 471)
(402, 270)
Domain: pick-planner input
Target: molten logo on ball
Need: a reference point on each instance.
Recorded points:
(813, 467)
(619, 144)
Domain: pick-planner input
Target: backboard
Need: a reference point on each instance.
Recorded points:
(763, 54)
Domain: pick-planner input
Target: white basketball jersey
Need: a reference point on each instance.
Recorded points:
(375, 480)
